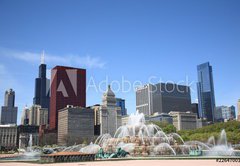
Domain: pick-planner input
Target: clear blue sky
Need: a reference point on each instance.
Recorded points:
(136, 39)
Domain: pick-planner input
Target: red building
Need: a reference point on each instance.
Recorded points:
(68, 87)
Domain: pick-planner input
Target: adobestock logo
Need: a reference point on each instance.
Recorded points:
(123, 85)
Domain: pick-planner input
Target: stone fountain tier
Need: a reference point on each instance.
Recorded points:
(140, 140)
(147, 146)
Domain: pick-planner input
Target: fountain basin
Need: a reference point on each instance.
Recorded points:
(67, 157)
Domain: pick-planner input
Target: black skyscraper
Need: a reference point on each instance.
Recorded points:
(8, 114)
(41, 96)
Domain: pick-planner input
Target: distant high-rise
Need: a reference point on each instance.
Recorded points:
(38, 116)
(233, 112)
(224, 113)
(205, 88)
(42, 84)
(25, 116)
(9, 111)
(163, 98)
(68, 87)
(121, 103)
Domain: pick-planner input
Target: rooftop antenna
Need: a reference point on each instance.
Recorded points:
(42, 57)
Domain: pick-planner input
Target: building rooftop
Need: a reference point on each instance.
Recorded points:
(67, 67)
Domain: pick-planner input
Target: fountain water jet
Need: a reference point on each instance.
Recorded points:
(211, 141)
(222, 148)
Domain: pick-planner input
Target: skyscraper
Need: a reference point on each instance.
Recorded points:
(42, 84)
(163, 98)
(68, 87)
(9, 111)
(205, 89)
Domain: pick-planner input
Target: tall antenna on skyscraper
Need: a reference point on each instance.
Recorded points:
(42, 57)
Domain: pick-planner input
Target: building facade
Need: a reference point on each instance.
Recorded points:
(184, 120)
(96, 109)
(195, 108)
(33, 115)
(42, 116)
(25, 116)
(121, 103)
(38, 115)
(110, 114)
(218, 115)
(42, 85)
(68, 87)
(76, 124)
(205, 87)
(9, 111)
(233, 112)
(8, 137)
(163, 98)
(225, 113)
(162, 117)
(125, 120)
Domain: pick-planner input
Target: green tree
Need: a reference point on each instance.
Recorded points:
(165, 126)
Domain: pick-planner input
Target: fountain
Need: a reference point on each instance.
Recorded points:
(138, 138)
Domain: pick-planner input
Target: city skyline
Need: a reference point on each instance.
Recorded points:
(136, 41)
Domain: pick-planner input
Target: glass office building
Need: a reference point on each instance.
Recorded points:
(205, 87)
(121, 103)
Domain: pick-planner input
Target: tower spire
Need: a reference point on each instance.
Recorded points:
(42, 58)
